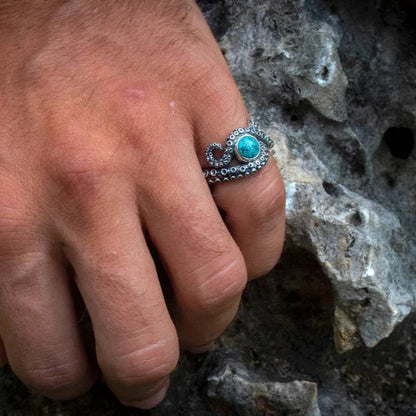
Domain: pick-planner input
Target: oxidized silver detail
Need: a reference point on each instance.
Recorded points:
(227, 166)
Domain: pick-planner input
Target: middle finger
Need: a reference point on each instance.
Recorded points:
(206, 267)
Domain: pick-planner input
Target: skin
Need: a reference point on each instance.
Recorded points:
(106, 110)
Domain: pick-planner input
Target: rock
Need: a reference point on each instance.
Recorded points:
(358, 243)
(233, 384)
(336, 207)
(301, 53)
(317, 72)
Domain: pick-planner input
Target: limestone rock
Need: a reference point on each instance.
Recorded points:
(232, 383)
(358, 243)
(338, 207)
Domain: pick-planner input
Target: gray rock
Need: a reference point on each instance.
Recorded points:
(358, 243)
(354, 240)
(357, 239)
(302, 54)
(232, 383)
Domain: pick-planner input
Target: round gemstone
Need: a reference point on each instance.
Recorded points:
(247, 148)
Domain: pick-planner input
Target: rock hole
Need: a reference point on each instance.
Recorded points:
(390, 180)
(356, 219)
(257, 53)
(255, 358)
(325, 73)
(400, 141)
(366, 302)
(331, 189)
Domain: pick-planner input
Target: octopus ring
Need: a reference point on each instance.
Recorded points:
(246, 152)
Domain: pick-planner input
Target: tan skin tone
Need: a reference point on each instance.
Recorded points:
(106, 109)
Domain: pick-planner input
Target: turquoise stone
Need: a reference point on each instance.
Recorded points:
(248, 147)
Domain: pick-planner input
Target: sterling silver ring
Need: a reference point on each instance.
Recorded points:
(246, 152)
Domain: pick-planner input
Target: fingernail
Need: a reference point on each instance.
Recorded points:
(154, 400)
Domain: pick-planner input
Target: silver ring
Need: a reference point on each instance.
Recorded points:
(246, 152)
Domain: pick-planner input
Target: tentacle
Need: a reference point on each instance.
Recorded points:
(228, 173)
(228, 167)
(225, 158)
(254, 127)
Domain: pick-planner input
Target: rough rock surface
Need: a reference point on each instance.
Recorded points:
(233, 384)
(335, 83)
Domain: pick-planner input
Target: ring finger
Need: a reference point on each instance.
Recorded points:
(253, 206)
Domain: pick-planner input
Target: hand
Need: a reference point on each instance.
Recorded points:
(106, 110)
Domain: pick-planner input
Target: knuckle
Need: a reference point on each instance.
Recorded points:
(224, 281)
(79, 176)
(35, 74)
(138, 104)
(145, 365)
(211, 87)
(216, 93)
(56, 381)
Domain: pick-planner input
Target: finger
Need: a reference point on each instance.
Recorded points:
(136, 342)
(254, 206)
(255, 213)
(206, 267)
(38, 326)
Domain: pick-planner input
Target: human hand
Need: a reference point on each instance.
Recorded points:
(106, 110)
